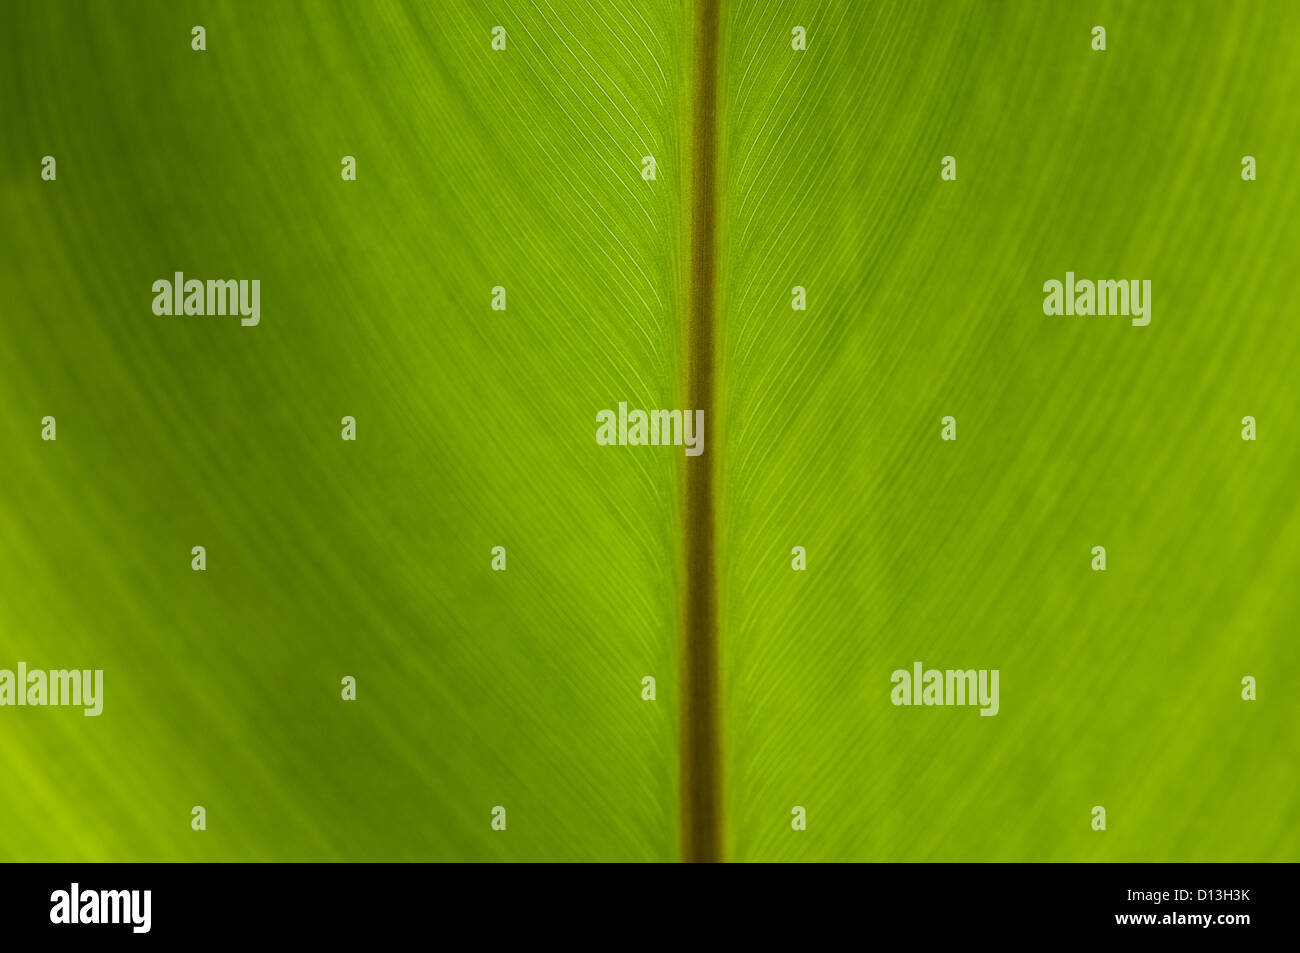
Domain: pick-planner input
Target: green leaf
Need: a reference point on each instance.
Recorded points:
(522, 169)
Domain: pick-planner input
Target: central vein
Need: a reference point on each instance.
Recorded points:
(701, 770)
